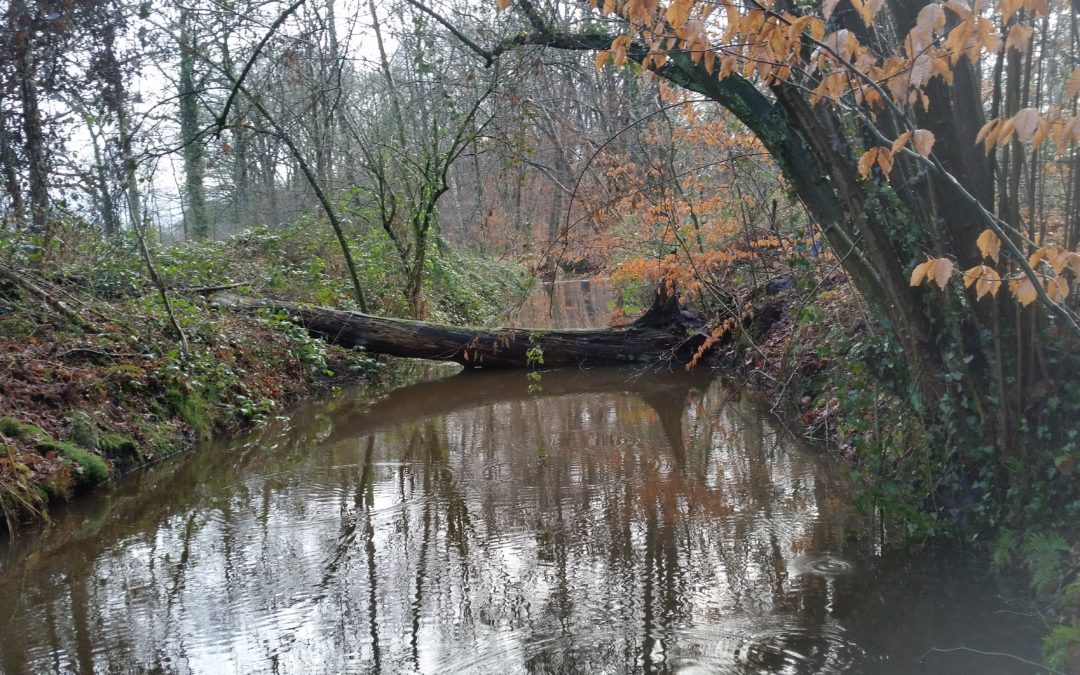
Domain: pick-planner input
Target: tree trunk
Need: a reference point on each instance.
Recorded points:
(12, 186)
(34, 141)
(131, 179)
(194, 161)
(666, 333)
(110, 218)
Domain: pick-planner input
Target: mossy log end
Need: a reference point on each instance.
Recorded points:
(665, 333)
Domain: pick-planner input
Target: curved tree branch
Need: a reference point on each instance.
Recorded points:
(238, 81)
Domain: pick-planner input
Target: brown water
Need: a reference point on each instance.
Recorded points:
(614, 522)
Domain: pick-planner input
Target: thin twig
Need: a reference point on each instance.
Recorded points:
(941, 650)
(222, 120)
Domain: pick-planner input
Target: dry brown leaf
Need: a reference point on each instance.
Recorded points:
(1025, 122)
(1023, 290)
(1008, 8)
(942, 271)
(930, 18)
(1045, 127)
(1019, 37)
(921, 69)
(867, 9)
(1039, 255)
(919, 274)
(1067, 260)
(1057, 289)
(678, 13)
(1072, 87)
(984, 278)
(989, 284)
(989, 245)
(972, 275)
(958, 38)
(618, 50)
(989, 38)
(937, 270)
(961, 9)
(885, 160)
(901, 141)
(984, 133)
(866, 162)
(924, 141)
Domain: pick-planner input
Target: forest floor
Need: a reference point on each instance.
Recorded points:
(79, 406)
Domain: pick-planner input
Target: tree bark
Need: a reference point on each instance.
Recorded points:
(8, 164)
(34, 141)
(665, 334)
(194, 159)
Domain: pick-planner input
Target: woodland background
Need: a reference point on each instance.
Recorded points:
(873, 203)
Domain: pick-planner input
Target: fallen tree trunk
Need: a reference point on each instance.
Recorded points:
(666, 333)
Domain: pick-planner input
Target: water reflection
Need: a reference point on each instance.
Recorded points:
(611, 523)
(568, 303)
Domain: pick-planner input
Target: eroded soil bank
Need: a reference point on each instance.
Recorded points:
(81, 404)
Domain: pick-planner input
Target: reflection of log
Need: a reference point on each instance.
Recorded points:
(666, 393)
(665, 332)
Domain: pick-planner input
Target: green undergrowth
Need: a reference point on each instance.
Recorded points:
(97, 381)
(87, 467)
(302, 262)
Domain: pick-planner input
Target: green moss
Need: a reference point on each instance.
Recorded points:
(123, 450)
(14, 429)
(117, 445)
(160, 437)
(193, 409)
(83, 430)
(93, 469)
(90, 468)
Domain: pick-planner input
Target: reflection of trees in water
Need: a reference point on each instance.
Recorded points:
(619, 524)
(559, 532)
(568, 303)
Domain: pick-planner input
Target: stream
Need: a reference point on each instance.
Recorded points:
(614, 521)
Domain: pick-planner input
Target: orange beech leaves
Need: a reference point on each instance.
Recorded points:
(1051, 263)
(759, 42)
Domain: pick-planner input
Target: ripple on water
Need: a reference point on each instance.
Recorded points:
(822, 565)
(495, 471)
(776, 644)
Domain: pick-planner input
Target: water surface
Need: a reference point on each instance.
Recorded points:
(568, 303)
(612, 522)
